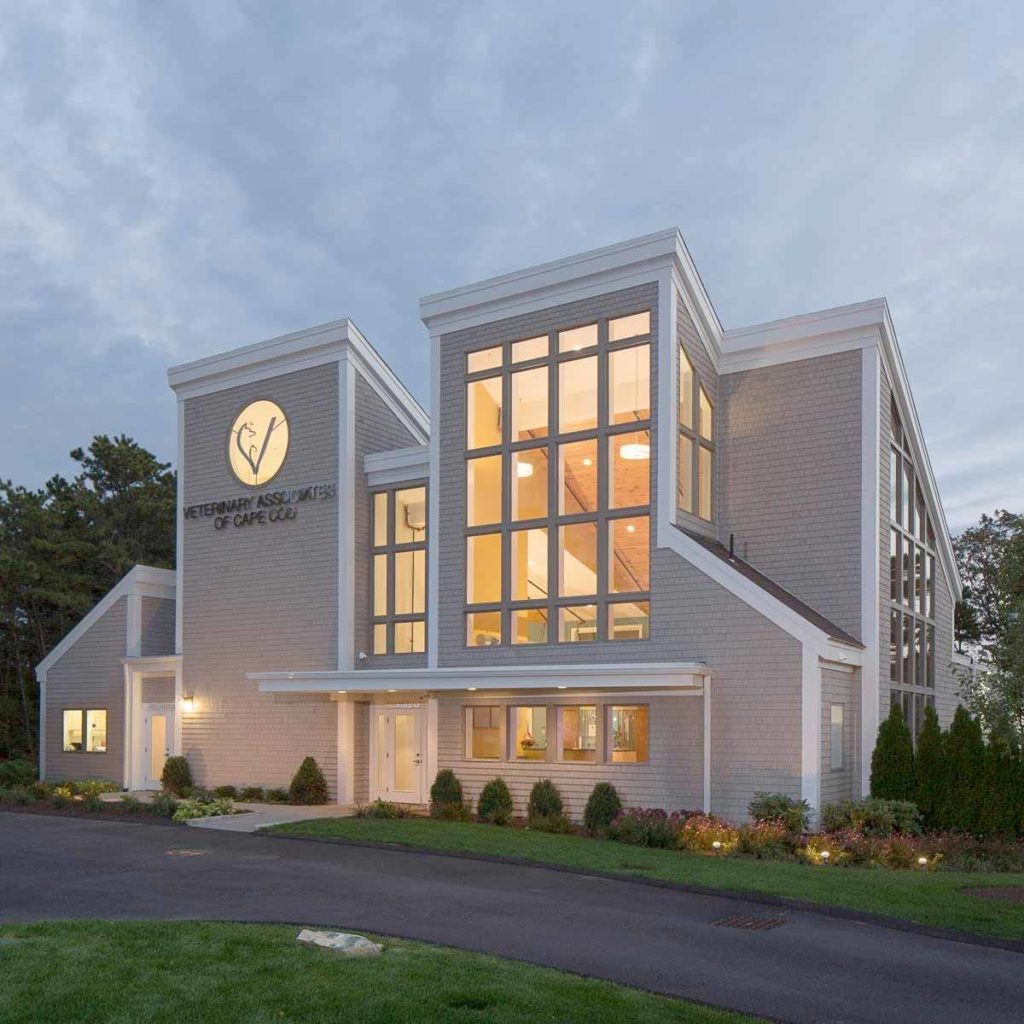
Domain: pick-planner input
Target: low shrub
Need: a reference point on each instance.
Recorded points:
(383, 809)
(164, 805)
(544, 810)
(495, 803)
(794, 814)
(176, 776)
(704, 833)
(90, 788)
(189, 809)
(20, 796)
(42, 790)
(17, 772)
(823, 850)
(275, 796)
(641, 826)
(94, 803)
(446, 799)
(251, 794)
(132, 804)
(873, 817)
(767, 840)
(62, 795)
(602, 807)
(226, 792)
(308, 784)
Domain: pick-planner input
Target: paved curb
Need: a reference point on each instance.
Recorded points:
(804, 906)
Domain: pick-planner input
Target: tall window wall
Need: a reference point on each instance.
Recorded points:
(399, 560)
(911, 585)
(695, 472)
(558, 486)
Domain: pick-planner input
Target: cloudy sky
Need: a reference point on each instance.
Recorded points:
(180, 178)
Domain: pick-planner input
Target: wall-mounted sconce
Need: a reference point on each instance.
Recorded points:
(188, 703)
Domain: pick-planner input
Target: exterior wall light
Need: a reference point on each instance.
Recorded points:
(188, 703)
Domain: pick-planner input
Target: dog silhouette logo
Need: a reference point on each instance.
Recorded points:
(258, 443)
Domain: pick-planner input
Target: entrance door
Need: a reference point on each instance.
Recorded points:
(157, 737)
(398, 753)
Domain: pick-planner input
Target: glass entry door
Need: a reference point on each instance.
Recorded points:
(398, 754)
(158, 735)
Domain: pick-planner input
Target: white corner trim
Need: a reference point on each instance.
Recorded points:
(810, 728)
(133, 647)
(707, 745)
(346, 752)
(397, 466)
(870, 557)
(665, 438)
(346, 511)
(179, 534)
(42, 723)
(143, 580)
(434, 512)
(746, 590)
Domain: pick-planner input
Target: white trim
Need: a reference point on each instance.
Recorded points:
(665, 438)
(346, 752)
(133, 647)
(635, 261)
(346, 511)
(143, 579)
(870, 556)
(394, 467)
(707, 745)
(810, 728)
(797, 350)
(313, 346)
(136, 670)
(434, 502)
(42, 725)
(430, 755)
(179, 535)
(532, 677)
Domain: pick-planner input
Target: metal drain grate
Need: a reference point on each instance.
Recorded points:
(750, 924)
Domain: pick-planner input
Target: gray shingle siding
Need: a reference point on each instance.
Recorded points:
(841, 688)
(89, 676)
(157, 626)
(261, 597)
(791, 478)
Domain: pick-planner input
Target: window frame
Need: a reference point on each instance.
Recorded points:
(389, 550)
(85, 712)
(602, 434)
(694, 434)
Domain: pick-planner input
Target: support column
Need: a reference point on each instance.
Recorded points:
(346, 752)
(707, 745)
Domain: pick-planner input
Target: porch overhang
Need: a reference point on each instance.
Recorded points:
(679, 677)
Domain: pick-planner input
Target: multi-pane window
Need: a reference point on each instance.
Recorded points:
(695, 470)
(911, 584)
(399, 570)
(558, 485)
(85, 730)
(566, 733)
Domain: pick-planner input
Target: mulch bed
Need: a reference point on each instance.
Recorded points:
(110, 812)
(1006, 893)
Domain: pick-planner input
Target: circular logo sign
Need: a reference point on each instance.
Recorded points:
(258, 442)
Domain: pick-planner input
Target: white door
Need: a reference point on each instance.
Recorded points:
(397, 754)
(157, 737)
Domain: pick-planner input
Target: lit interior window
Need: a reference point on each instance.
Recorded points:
(96, 731)
(629, 467)
(530, 626)
(410, 582)
(577, 623)
(577, 477)
(686, 383)
(483, 725)
(531, 733)
(684, 475)
(483, 413)
(485, 359)
(629, 553)
(483, 629)
(530, 564)
(73, 730)
(410, 637)
(411, 515)
(380, 520)
(636, 326)
(629, 734)
(483, 490)
(380, 584)
(577, 339)
(530, 348)
(577, 557)
(577, 395)
(629, 384)
(530, 404)
(629, 620)
(578, 733)
(483, 568)
(529, 483)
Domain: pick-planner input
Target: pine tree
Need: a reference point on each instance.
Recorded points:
(965, 760)
(930, 771)
(892, 763)
(999, 803)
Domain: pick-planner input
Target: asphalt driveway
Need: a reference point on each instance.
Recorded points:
(812, 969)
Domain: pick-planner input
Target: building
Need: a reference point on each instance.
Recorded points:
(628, 546)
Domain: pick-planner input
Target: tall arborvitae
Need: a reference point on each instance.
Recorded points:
(965, 760)
(892, 763)
(930, 770)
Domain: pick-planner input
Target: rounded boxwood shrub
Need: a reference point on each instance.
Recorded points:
(17, 772)
(445, 791)
(251, 794)
(544, 809)
(164, 805)
(226, 792)
(176, 776)
(794, 814)
(309, 785)
(495, 803)
(602, 807)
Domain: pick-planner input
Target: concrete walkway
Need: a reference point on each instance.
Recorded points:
(811, 969)
(256, 816)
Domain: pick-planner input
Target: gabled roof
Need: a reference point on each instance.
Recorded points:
(143, 581)
(791, 601)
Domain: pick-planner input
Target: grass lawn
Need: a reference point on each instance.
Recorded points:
(221, 973)
(929, 898)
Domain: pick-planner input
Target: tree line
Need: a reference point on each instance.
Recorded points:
(62, 547)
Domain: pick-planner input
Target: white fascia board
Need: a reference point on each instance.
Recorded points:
(637, 261)
(383, 468)
(533, 677)
(844, 328)
(167, 663)
(142, 581)
(314, 346)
